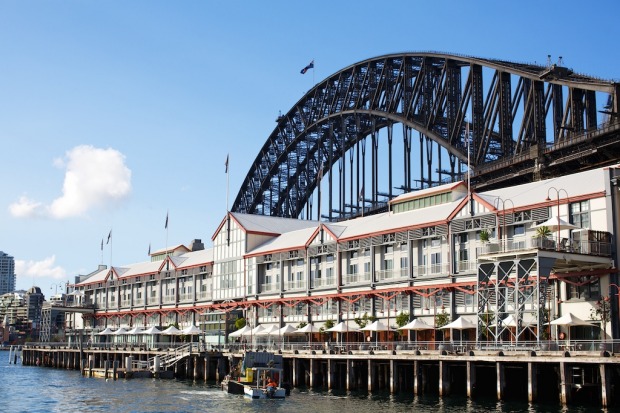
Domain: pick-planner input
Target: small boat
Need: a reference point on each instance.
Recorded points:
(262, 389)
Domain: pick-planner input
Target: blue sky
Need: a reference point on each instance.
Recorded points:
(115, 113)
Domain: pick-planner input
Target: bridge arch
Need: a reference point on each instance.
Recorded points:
(483, 113)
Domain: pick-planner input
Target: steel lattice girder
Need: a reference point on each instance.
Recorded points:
(426, 92)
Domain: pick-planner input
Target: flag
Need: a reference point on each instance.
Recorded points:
(101, 244)
(149, 249)
(361, 196)
(109, 236)
(320, 174)
(305, 69)
(166, 225)
(226, 164)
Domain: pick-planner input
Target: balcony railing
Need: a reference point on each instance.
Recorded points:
(393, 274)
(186, 297)
(295, 285)
(167, 299)
(323, 282)
(549, 244)
(204, 295)
(433, 270)
(357, 278)
(270, 287)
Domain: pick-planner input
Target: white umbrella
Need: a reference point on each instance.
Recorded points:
(554, 224)
(135, 330)
(269, 331)
(120, 331)
(376, 327)
(416, 325)
(191, 330)
(308, 328)
(288, 330)
(171, 331)
(151, 330)
(570, 320)
(105, 332)
(459, 324)
(342, 327)
(240, 332)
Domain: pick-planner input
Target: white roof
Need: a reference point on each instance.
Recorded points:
(271, 225)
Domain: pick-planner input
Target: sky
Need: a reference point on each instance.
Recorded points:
(117, 114)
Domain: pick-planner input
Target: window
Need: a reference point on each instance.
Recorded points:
(435, 242)
(590, 291)
(389, 249)
(518, 230)
(353, 254)
(580, 214)
(463, 238)
(404, 262)
(436, 262)
(352, 268)
(388, 264)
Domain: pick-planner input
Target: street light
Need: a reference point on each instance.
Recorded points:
(557, 192)
(503, 234)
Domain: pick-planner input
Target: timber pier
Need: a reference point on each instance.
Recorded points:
(565, 377)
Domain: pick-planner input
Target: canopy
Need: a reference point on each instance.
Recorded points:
(342, 327)
(191, 330)
(135, 330)
(240, 332)
(151, 330)
(376, 326)
(552, 224)
(308, 328)
(288, 330)
(107, 331)
(459, 324)
(416, 324)
(171, 331)
(120, 331)
(254, 331)
(569, 320)
(272, 330)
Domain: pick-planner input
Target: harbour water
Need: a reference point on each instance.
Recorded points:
(37, 389)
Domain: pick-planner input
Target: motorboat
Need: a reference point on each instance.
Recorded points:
(261, 389)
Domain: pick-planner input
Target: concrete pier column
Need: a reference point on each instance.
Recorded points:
(106, 369)
(564, 385)
(417, 379)
(91, 362)
(312, 373)
(349, 372)
(471, 379)
(330, 373)
(605, 385)
(207, 367)
(371, 374)
(156, 366)
(532, 382)
(205, 370)
(501, 380)
(128, 364)
(115, 370)
(196, 367)
(444, 378)
(295, 364)
(393, 377)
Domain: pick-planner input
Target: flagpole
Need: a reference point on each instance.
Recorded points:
(101, 251)
(227, 196)
(166, 228)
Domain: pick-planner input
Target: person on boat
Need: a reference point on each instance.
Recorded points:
(271, 386)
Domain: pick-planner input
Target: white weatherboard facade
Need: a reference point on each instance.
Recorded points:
(428, 255)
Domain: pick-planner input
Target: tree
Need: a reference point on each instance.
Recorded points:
(364, 320)
(328, 324)
(602, 312)
(240, 323)
(542, 232)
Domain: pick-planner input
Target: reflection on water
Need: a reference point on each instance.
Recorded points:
(37, 389)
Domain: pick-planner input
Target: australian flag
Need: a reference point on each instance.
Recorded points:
(310, 66)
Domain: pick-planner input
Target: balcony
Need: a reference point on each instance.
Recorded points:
(204, 295)
(270, 287)
(433, 270)
(586, 247)
(186, 297)
(323, 282)
(393, 274)
(169, 299)
(295, 285)
(357, 278)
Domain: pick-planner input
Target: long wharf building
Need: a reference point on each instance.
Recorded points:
(483, 255)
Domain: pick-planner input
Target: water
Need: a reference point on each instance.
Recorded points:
(36, 389)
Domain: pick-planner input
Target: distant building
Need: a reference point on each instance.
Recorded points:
(7, 273)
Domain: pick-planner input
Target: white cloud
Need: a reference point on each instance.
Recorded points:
(94, 178)
(40, 269)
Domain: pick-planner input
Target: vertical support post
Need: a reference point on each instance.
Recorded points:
(605, 385)
(417, 378)
(349, 371)
(444, 378)
(115, 370)
(312, 374)
(471, 379)
(106, 369)
(330, 373)
(392, 376)
(156, 366)
(532, 382)
(564, 385)
(371, 374)
(295, 372)
(195, 367)
(500, 370)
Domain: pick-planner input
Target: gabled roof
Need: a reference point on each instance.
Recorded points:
(288, 241)
(428, 191)
(170, 249)
(262, 224)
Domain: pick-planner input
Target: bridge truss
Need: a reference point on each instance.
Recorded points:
(501, 122)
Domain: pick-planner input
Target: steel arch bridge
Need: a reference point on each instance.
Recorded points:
(498, 122)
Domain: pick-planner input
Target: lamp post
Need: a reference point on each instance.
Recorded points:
(557, 193)
(503, 234)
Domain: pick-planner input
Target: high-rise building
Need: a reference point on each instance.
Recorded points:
(7, 273)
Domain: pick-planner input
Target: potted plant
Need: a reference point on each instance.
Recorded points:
(485, 235)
